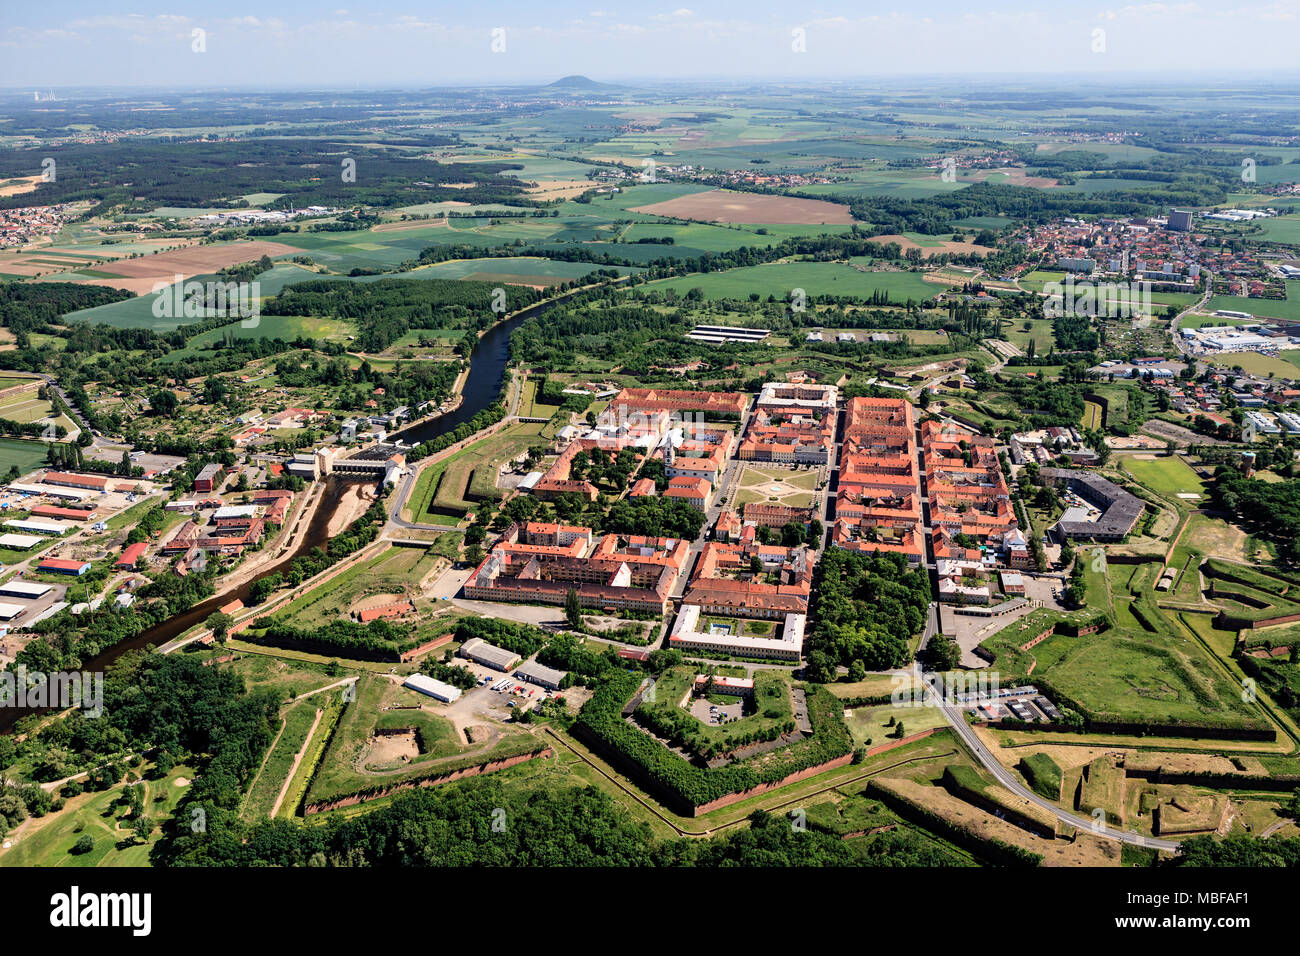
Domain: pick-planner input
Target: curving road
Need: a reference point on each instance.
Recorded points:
(957, 720)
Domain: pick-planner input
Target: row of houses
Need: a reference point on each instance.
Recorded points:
(971, 514)
(878, 504)
(792, 424)
(539, 563)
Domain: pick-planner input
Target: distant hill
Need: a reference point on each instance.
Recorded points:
(578, 82)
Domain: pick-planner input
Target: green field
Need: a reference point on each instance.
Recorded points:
(778, 485)
(48, 841)
(394, 571)
(286, 327)
(1141, 676)
(1288, 308)
(1281, 229)
(446, 486)
(873, 726)
(815, 278)
(267, 785)
(544, 270)
(1165, 476)
(27, 455)
(530, 407)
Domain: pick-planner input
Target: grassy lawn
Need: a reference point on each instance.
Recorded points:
(443, 486)
(1282, 365)
(780, 485)
(267, 785)
(742, 626)
(871, 726)
(1168, 477)
(396, 571)
(289, 679)
(1136, 675)
(27, 455)
(48, 840)
(286, 327)
(1213, 537)
(529, 407)
(1288, 308)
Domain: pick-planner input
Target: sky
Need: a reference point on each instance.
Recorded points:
(334, 45)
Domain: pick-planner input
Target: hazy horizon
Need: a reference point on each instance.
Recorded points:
(290, 44)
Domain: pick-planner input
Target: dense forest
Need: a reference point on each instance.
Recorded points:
(217, 174)
(863, 613)
(387, 309)
(1269, 509)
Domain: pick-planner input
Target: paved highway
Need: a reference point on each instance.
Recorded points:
(1173, 325)
(957, 720)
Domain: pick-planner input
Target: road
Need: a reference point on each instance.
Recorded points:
(1173, 325)
(404, 487)
(956, 718)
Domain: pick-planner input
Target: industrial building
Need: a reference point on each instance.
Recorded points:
(37, 527)
(52, 491)
(25, 589)
(436, 689)
(489, 655)
(82, 482)
(540, 674)
(727, 333)
(63, 566)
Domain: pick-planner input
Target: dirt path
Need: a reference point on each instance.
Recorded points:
(321, 690)
(1273, 828)
(265, 757)
(297, 759)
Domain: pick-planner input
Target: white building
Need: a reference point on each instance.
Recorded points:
(438, 690)
(689, 636)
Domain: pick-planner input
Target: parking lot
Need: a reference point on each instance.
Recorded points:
(1030, 707)
(151, 463)
(969, 630)
(714, 714)
(485, 701)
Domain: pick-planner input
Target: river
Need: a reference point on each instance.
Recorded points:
(487, 372)
(482, 386)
